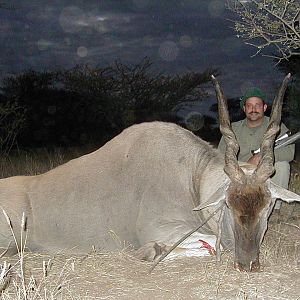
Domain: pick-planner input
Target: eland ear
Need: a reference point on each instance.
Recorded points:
(282, 193)
(216, 198)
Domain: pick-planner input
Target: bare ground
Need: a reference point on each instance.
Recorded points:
(119, 275)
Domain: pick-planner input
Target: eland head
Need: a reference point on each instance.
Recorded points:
(249, 193)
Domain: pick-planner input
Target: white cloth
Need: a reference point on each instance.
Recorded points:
(197, 244)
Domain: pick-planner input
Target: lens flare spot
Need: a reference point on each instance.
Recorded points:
(194, 121)
(168, 51)
(82, 51)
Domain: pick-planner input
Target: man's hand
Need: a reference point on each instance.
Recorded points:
(254, 159)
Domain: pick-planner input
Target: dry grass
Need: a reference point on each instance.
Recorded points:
(32, 163)
(119, 275)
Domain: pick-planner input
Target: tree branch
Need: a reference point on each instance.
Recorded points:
(276, 22)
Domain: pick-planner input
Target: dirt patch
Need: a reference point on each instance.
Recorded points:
(119, 275)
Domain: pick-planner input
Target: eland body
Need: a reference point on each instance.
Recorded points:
(142, 187)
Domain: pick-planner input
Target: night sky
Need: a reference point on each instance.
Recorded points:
(178, 36)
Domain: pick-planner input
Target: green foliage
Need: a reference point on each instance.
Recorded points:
(37, 94)
(151, 96)
(90, 105)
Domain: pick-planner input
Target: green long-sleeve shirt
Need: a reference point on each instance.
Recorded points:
(250, 139)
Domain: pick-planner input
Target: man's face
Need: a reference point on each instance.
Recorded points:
(254, 108)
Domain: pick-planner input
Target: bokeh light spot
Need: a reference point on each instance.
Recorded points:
(168, 51)
(82, 51)
(194, 121)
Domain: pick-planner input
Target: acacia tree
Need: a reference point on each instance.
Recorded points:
(268, 24)
(91, 105)
(150, 96)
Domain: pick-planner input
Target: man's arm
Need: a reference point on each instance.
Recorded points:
(285, 153)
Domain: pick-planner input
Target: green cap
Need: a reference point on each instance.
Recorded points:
(252, 92)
